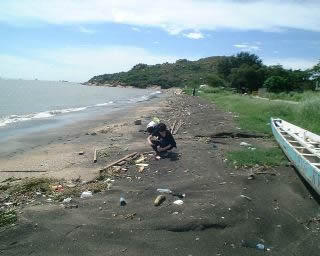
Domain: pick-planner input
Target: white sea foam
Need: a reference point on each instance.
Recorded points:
(52, 113)
(41, 115)
(104, 104)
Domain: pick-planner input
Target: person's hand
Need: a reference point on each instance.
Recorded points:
(159, 148)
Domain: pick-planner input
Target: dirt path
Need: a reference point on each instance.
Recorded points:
(213, 219)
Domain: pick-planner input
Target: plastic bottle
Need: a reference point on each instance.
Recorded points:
(254, 245)
(122, 201)
(260, 247)
(164, 190)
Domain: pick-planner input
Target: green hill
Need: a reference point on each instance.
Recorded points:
(179, 74)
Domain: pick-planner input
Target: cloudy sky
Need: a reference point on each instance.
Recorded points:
(76, 39)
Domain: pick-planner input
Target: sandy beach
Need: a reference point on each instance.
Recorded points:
(221, 206)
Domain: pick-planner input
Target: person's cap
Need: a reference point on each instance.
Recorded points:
(151, 124)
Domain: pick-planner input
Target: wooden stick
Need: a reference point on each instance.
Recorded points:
(178, 127)
(118, 161)
(95, 156)
(23, 171)
(174, 124)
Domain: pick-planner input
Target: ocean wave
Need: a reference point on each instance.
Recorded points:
(104, 104)
(51, 113)
(41, 115)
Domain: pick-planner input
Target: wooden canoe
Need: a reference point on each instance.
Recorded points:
(302, 148)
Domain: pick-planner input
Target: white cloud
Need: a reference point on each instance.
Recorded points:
(293, 63)
(77, 64)
(136, 29)
(194, 35)
(247, 47)
(175, 16)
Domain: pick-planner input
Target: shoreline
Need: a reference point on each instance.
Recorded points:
(41, 151)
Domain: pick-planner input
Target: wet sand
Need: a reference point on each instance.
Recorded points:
(213, 219)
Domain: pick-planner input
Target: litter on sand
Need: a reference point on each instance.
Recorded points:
(178, 202)
(86, 194)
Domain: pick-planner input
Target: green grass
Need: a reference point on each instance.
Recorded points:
(7, 218)
(248, 157)
(253, 115)
(291, 96)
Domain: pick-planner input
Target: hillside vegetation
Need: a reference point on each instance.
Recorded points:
(244, 72)
(180, 74)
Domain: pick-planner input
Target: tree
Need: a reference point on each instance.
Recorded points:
(247, 58)
(215, 81)
(276, 84)
(247, 77)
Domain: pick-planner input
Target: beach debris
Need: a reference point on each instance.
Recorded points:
(118, 161)
(246, 197)
(122, 201)
(178, 91)
(173, 125)
(178, 127)
(71, 206)
(140, 160)
(86, 194)
(144, 165)
(179, 195)
(80, 153)
(254, 245)
(245, 144)
(251, 176)
(67, 200)
(138, 122)
(164, 190)
(178, 202)
(223, 183)
(159, 200)
(95, 156)
(57, 188)
(141, 169)
(131, 216)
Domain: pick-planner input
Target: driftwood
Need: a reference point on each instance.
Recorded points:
(23, 171)
(233, 135)
(174, 124)
(95, 156)
(118, 161)
(178, 127)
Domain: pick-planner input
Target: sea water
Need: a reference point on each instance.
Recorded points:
(32, 105)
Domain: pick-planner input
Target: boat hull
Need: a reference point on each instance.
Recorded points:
(309, 172)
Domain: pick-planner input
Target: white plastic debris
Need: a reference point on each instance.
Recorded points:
(67, 200)
(178, 202)
(164, 190)
(86, 194)
(245, 144)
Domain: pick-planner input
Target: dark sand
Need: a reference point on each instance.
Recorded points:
(213, 219)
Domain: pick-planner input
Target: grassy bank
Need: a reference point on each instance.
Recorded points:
(252, 114)
(291, 96)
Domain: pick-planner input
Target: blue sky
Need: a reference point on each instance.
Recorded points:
(76, 39)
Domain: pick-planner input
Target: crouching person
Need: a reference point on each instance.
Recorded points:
(164, 140)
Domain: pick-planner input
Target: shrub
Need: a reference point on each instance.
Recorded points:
(276, 84)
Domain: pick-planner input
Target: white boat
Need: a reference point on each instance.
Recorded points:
(302, 148)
